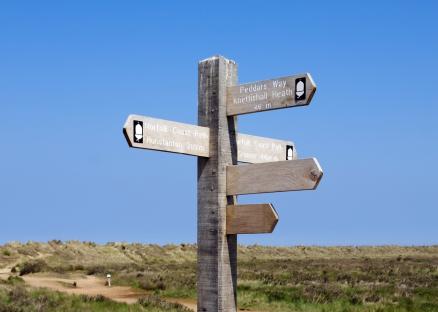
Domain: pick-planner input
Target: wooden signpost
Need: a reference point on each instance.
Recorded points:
(272, 166)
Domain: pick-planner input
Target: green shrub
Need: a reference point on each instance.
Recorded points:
(78, 267)
(14, 280)
(97, 298)
(148, 284)
(33, 266)
(97, 269)
(55, 242)
(157, 302)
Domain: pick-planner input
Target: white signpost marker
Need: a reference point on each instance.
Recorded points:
(273, 167)
(108, 280)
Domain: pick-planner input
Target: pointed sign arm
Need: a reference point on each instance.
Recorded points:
(165, 135)
(279, 176)
(251, 219)
(283, 92)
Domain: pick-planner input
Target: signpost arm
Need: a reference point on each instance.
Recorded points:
(217, 251)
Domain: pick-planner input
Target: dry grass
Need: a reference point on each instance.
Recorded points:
(386, 278)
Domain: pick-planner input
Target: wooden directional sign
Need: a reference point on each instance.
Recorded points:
(280, 176)
(169, 136)
(270, 94)
(251, 219)
(254, 149)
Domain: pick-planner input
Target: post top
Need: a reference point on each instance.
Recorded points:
(215, 57)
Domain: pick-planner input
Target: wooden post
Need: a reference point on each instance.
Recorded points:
(217, 251)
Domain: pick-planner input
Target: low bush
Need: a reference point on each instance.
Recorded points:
(55, 242)
(157, 302)
(97, 269)
(33, 266)
(15, 280)
(148, 284)
(97, 298)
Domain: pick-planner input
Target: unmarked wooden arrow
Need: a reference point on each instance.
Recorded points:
(251, 219)
(279, 176)
(265, 95)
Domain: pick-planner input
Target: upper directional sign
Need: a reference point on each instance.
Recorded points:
(270, 94)
(169, 136)
(279, 176)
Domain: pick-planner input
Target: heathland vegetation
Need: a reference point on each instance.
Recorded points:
(387, 278)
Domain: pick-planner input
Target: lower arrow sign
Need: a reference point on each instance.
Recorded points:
(251, 219)
(279, 176)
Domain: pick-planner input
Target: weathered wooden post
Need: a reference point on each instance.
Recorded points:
(273, 166)
(217, 251)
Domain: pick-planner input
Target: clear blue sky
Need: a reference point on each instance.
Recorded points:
(72, 71)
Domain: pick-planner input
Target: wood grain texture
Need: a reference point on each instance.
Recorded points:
(268, 95)
(251, 219)
(217, 251)
(281, 176)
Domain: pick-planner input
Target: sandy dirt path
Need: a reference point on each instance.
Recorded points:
(92, 286)
(4, 273)
(87, 285)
